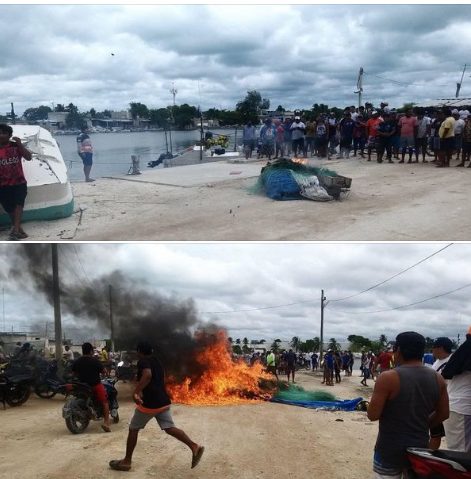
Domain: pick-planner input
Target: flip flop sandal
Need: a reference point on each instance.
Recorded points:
(106, 428)
(197, 457)
(118, 466)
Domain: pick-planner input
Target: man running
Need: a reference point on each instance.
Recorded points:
(152, 402)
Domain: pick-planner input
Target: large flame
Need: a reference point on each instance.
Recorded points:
(224, 381)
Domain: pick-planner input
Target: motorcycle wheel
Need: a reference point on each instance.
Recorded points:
(18, 396)
(76, 424)
(44, 392)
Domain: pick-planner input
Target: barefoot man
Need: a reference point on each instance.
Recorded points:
(152, 401)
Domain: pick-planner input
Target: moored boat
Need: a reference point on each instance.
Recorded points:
(49, 191)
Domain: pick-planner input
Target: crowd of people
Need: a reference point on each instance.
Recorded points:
(416, 133)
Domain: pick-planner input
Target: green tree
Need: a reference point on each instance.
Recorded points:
(238, 341)
(59, 108)
(357, 343)
(33, 115)
(160, 117)
(74, 119)
(295, 343)
(236, 349)
(138, 110)
(92, 112)
(184, 115)
(230, 340)
(310, 345)
(333, 344)
(383, 340)
(276, 345)
(250, 107)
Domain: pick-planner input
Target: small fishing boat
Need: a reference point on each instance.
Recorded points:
(49, 192)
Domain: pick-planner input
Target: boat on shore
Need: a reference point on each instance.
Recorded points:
(49, 191)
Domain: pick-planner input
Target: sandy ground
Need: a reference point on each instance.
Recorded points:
(253, 441)
(387, 202)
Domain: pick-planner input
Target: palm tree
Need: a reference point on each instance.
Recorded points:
(295, 343)
(276, 345)
(333, 344)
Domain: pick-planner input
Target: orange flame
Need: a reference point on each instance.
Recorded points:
(224, 380)
(302, 161)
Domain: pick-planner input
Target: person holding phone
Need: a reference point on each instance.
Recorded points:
(13, 186)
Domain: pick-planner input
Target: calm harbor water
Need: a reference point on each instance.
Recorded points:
(112, 151)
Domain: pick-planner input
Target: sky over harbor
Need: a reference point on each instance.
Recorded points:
(106, 56)
(257, 278)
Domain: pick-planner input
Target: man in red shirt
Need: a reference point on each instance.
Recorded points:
(372, 131)
(13, 188)
(409, 126)
(384, 361)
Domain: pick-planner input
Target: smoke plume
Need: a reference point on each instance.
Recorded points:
(139, 312)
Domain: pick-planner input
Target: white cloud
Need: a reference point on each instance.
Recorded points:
(226, 277)
(297, 56)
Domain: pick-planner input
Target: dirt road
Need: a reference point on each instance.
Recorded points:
(388, 202)
(253, 441)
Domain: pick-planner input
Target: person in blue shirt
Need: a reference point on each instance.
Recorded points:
(384, 140)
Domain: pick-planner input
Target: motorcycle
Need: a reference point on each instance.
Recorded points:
(15, 389)
(439, 464)
(81, 406)
(48, 383)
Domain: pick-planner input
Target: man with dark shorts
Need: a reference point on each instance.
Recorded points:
(407, 400)
(152, 401)
(88, 369)
(290, 364)
(446, 134)
(13, 187)
(85, 151)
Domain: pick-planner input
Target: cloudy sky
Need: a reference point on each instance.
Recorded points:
(105, 56)
(252, 280)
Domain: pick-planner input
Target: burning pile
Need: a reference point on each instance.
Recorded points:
(222, 380)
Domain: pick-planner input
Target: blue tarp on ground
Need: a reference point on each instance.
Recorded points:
(345, 405)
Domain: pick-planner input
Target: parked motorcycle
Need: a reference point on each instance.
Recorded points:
(15, 389)
(48, 383)
(440, 464)
(81, 406)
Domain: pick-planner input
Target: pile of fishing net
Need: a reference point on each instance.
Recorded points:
(285, 179)
(297, 396)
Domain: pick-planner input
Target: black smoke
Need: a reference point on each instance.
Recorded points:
(139, 311)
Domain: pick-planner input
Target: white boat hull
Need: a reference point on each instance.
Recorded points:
(49, 191)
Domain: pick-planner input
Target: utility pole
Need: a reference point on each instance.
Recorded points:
(321, 347)
(458, 85)
(174, 92)
(359, 86)
(57, 308)
(201, 136)
(111, 318)
(4, 325)
(13, 116)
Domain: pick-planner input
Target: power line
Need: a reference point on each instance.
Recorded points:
(332, 300)
(81, 264)
(410, 304)
(71, 268)
(392, 277)
(403, 83)
(258, 309)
